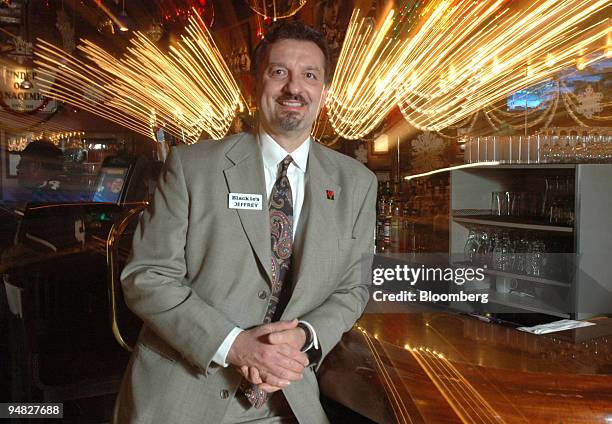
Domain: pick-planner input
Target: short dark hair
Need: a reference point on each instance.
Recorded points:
(292, 30)
(49, 155)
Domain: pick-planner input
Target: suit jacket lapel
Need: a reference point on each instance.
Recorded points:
(246, 175)
(318, 232)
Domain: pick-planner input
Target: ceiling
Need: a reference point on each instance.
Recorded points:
(91, 19)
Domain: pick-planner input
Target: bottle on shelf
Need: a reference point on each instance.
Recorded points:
(395, 237)
(383, 218)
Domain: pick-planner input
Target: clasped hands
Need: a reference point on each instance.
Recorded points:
(270, 355)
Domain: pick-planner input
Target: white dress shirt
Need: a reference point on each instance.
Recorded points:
(272, 155)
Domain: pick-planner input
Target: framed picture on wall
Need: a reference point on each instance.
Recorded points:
(380, 145)
(12, 159)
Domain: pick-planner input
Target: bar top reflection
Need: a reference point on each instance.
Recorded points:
(435, 367)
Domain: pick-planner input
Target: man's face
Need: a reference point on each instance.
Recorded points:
(291, 88)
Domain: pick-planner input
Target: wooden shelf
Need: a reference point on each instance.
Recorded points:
(526, 303)
(527, 166)
(470, 204)
(516, 223)
(522, 277)
(513, 300)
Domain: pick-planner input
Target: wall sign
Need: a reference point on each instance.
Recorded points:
(15, 96)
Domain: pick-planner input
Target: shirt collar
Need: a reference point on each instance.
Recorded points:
(273, 153)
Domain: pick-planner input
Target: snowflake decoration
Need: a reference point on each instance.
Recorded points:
(361, 153)
(589, 102)
(426, 143)
(428, 152)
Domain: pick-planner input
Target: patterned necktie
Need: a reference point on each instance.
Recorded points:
(281, 231)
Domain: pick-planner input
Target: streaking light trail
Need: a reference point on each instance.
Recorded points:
(187, 91)
(459, 57)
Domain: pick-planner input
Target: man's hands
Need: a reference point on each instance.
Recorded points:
(269, 355)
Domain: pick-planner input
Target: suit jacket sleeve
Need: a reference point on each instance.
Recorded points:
(154, 278)
(339, 312)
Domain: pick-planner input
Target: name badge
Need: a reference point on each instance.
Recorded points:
(245, 201)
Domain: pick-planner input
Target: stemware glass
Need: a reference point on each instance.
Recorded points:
(484, 243)
(471, 246)
(545, 149)
(519, 262)
(535, 258)
(502, 254)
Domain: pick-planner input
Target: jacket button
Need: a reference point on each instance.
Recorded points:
(262, 294)
(224, 394)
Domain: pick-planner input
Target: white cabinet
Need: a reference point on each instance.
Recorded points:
(577, 282)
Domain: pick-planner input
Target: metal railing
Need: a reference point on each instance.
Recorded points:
(112, 261)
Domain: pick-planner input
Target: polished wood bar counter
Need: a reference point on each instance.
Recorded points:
(441, 367)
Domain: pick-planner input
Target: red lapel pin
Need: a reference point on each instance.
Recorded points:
(330, 194)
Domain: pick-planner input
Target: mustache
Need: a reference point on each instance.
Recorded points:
(289, 97)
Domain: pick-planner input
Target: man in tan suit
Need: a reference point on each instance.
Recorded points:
(204, 274)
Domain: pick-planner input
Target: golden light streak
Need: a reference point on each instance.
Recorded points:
(111, 15)
(402, 415)
(452, 168)
(469, 405)
(23, 122)
(464, 399)
(462, 55)
(187, 91)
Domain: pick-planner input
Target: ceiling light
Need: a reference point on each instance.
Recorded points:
(123, 19)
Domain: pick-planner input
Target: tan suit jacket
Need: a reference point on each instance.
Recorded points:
(199, 268)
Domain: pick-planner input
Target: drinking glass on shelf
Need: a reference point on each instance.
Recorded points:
(580, 150)
(484, 244)
(502, 254)
(514, 203)
(561, 149)
(515, 145)
(567, 149)
(496, 203)
(535, 258)
(467, 152)
(500, 203)
(591, 149)
(471, 246)
(546, 149)
(529, 204)
(536, 150)
(491, 149)
(549, 191)
(494, 240)
(557, 212)
(519, 262)
(602, 151)
(607, 140)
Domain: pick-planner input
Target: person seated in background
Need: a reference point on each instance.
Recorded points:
(48, 230)
(38, 174)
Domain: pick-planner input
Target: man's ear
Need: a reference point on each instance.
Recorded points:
(323, 97)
